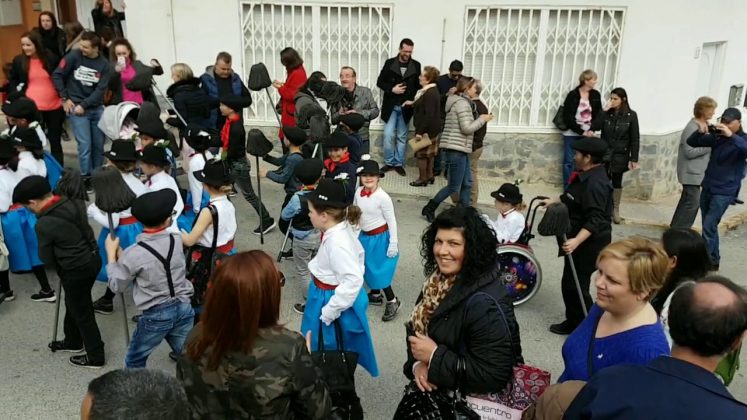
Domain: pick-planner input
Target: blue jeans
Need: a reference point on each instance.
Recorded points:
(712, 209)
(459, 177)
(568, 153)
(89, 138)
(171, 320)
(394, 148)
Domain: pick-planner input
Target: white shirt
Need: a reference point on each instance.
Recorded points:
(508, 226)
(99, 216)
(162, 181)
(377, 209)
(339, 262)
(8, 182)
(29, 165)
(226, 223)
(196, 163)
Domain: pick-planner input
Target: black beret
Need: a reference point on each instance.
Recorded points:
(590, 145)
(30, 188)
(338, 139)
(295, 135)
(21, 107)
(354, 120)
(153, 208)
(7, 148)
(308, 171)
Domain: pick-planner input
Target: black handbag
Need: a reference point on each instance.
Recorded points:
(338, 370)
(201, 261)
(558, 119)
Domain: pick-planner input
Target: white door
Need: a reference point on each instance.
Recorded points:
(709, 72)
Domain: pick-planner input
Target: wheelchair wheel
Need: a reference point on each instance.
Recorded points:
(520, 272)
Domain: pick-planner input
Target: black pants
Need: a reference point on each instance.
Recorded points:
(283, 224)
(585, 259)
(243, 180)
(687, 208)
(53, 121)
(617, 179)
(80, 322)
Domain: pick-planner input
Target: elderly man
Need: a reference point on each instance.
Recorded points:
(362, 103)
(220, 80)
(707, 320)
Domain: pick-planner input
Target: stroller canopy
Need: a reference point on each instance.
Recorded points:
(113, 118)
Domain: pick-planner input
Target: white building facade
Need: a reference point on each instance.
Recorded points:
(528, 55)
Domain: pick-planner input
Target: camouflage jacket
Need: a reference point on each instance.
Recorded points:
(276, 380)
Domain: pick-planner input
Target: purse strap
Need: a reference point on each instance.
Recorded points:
(503, 317)
(338, 336)
(590, 351)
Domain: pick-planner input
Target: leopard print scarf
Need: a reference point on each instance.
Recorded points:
(435, 289)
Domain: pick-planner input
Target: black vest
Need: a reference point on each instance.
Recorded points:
(302, 221)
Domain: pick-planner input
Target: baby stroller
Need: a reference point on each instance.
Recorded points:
(520, 270)
(118, 121)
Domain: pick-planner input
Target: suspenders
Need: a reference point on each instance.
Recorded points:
(165, 261)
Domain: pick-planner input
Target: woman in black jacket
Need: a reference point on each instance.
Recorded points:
(190, 101)
(130, 79)
(463, 316)
(580, 107)
(620, 131)
(53, 37)
(105, 15)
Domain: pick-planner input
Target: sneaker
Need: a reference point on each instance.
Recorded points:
(83, 361)
(400, 170)
(43, 296)
(270, 225)
(9, 295)
(56, 346)
(376, 299)
(563, 328)
(287, 254)
(173, 356)
(103, 306)
(135, 318)
(299, 308)
(391, 310)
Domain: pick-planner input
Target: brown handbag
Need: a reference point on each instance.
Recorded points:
(419, 144)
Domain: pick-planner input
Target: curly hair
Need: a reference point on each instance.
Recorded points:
(479, 247)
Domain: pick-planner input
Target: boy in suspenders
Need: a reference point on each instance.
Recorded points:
(157, 267)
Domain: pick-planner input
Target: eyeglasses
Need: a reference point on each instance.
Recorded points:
(282, 278)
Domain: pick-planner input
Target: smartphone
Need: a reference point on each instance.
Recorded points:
(121, 61)
(409, 328)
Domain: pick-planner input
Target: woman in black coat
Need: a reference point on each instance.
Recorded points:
(53, 37)
(621, 132)
(580, 108)
(463, 316)
(105, 15)
(190, 101)
(138, 77)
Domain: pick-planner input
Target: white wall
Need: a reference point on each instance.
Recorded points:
(657, 64)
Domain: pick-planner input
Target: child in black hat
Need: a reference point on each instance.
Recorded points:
(350, 124)
(233, 150)
(122, 156)
(68, 244)
(338, 163)
(296, 212)
(156, 268)
(510, 222)
(294, 139)
(199, 140)
(154, 163)
(378, 237)
(152, 131)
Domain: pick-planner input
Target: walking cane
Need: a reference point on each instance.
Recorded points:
(575, 279)
(285, 241)
(57, 310)
(173, 108)
(258, 146)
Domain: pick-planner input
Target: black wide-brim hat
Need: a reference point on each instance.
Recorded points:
(308, 171)
(236, 102)
(259, 78)
(21, 107)
(369, 167)
(28, 138)
(7, 148)
(593, 146)
(295, 135)
(328, 193)
(216, 173)
(257, 143)
(508, 193)
(154, 155)
(154, 208)
(199, 138)
(354, 120)
(337, 139)
(153, 128)
(30, 188)
(332, 92)
(122, 151)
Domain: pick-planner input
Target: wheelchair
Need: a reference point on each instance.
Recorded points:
(520, 270)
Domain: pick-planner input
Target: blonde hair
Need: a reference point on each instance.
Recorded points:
(182, 71)
(585, 75)
(702, 104)
(648, 263)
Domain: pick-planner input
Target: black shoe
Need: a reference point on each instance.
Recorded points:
(9, 295)
(287, 254)
(738, 201)
(84, 361)
(299, 308)
(267, 226)
(391, 310)
(103, 306)
(436, 173)
(56, 346)
(419, 183)
(563, 328)
(43, 296)
(429, 211)
(431, 180)
(400, 170)
(386, 168)
(173, 356)
(376, 299)
(135, 318)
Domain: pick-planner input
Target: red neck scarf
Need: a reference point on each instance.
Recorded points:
(307, 188)
(574, 176)
(331, 166)
(55, 199)
(507, 213)
(365, 192)
(226, 131)
(153, 230)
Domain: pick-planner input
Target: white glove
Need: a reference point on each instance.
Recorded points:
(392, 251)
(326, 319)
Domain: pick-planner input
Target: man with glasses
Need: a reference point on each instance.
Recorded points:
(363, 103)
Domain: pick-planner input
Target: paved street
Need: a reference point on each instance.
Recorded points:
(36, 384)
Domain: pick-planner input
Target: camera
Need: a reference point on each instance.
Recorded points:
(712, 129)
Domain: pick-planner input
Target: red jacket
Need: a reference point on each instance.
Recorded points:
(296, 78)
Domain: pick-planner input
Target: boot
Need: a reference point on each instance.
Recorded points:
(616, 196)
(429, 211)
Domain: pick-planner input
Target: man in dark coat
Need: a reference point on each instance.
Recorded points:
(399, 80)
(707, 320)
(220, 80)
(589, 201)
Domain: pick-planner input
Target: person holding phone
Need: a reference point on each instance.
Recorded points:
(130, 79)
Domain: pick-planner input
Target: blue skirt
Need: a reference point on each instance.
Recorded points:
(20, 238)
(54, 169)
(379, 268)
(186, 220)
(127, 235)
(356, 335)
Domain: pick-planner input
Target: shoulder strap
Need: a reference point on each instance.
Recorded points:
(214, 214)
(165, 261)
(590, 352)
(500, 310)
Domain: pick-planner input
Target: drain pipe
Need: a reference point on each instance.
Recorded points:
(443, 42)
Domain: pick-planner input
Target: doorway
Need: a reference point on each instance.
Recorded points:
(66, 11)
(710, 69)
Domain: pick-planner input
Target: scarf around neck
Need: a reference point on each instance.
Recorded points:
(435, 289)
(422, 91)
(332, 165)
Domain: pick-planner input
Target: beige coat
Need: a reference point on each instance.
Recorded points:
(460, 125)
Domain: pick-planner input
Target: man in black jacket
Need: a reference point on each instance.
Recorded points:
(66, 242)
(399, 79)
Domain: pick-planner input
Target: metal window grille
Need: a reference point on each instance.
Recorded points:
(529, 58)
(326, 37)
